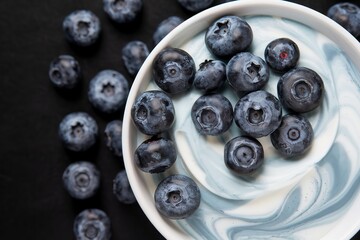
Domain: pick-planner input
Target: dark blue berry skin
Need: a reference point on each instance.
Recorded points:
(108, 91)
(210, 76)
(155, 155)
(177, 197)
(347, 15)
(282, 54)
(212, 114)
(123, 11)
(81, 180)
(65, 72)
(300, 90)
(82, 28)
(92, 224)
(153, 112)
(134, 54)
(243, 155)
(166, 26)
(247, 72)
(195, 5)
(122, 189)
(113, 137)
(228, 36)
(293, 137)
(258, 113)
(78, 131)
(174, 70)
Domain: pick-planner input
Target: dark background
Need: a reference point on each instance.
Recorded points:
(33, 202)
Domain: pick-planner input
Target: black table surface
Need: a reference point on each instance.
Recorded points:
(33, 202)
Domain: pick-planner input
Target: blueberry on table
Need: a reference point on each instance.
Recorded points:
(155, 155)
(153, 112)
(177, 197)
(166, 26)
(122, 189)
(258, 113)
(282, 54)
(78, 131)
(211, 76)
(134, 54)
(108, 91)
(81, 179)
(92, 224)
(300, 90)
(293, 137)
(64, 72)
(228, 36)
(82, 27)
(247, 72)
(212, 114)
(195, 5)
(123, 11)
(174, 70)
(113, 137)
(243, 155)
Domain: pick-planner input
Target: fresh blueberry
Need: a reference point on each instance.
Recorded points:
(293, 137)
(166, 26)
(258, 113)
(347, 15)
(64, 72)
(134, 54)
(195, 5)
(153, 112)
(123, 11)
(108, 91)
(113, 132)
(82, 27)
(212, 114)
(177, 197)
(81, 180)
(122, 189)
(92, 224)
(78, 131)
(174, 70)
(243, 155)
(210, 76)
(228, 36)
(247, 72)
(300, 90)
(282, 54)
(155, 155)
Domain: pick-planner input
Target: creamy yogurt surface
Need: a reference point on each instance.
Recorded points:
(287, 198)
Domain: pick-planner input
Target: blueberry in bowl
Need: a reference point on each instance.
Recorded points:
(211, 76)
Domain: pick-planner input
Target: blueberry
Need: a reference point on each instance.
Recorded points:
(228, 36)
(174, 70)
(108, 91)
(211, 76)
(282, 54)
(153, 112)
(155, 155)
(92, 224)
(243, 155)
(78, 131)
(64, 72)
(134, 54)
(113, 132)
(247, 72)
(123, 11)
(293, 137)
(166, 26)
(347, 15)
(258, 113)
(122, 189)
(195, 5)
(81, 180)
(82, 27)
(212, 114)
(177, 197)
(300, 90)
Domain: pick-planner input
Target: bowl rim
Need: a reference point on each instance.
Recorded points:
(279, 8)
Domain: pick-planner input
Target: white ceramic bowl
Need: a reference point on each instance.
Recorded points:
(317, 197)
